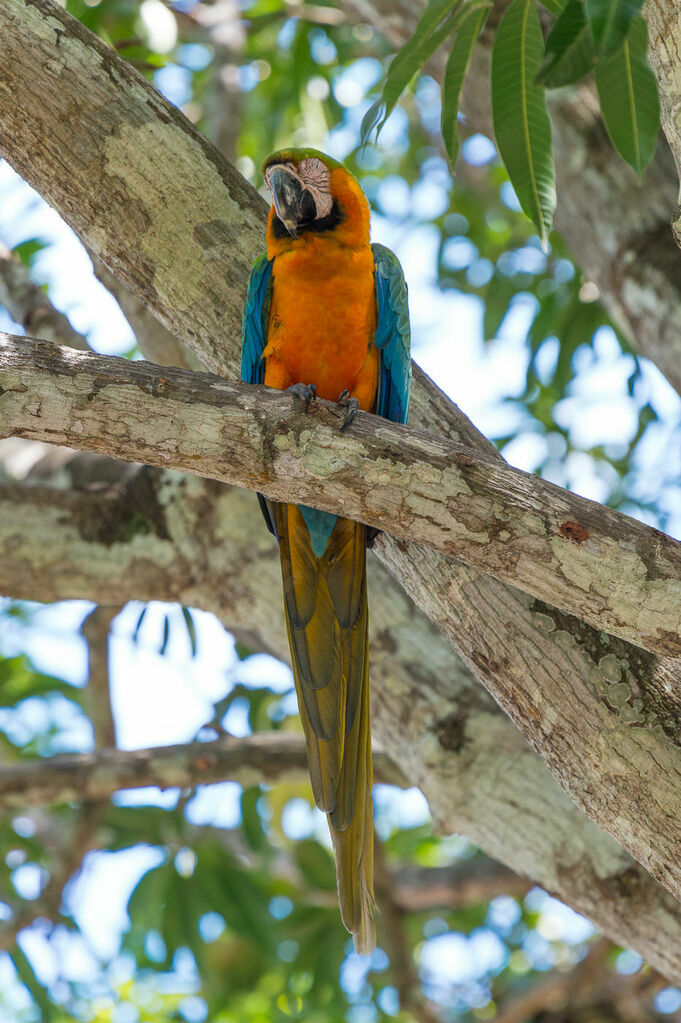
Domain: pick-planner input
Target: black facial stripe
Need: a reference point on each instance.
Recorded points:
(327, 223)
(307, 210)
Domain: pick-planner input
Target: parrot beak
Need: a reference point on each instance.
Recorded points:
(287, 193)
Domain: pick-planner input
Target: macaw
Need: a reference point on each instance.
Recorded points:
(326, 315)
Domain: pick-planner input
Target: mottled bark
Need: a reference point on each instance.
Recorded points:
(608, 569)
(156, 342)
(664, 48)
(180, 226)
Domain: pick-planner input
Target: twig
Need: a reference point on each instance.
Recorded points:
(95, 630)
(28, 304)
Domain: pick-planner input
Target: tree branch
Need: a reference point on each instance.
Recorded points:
(187, 237)
(460, 884)
(28, 304)
(95, 630)
(80, 777)
(610, 570)
(394, 937)
(155, 341)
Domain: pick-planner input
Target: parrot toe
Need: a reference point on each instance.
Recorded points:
(306, 392)
(350, 405)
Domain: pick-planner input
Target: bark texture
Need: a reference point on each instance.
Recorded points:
(608, 569)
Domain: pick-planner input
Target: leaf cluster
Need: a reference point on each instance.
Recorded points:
(607, 37)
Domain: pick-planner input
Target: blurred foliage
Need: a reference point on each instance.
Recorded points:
(238, 923)
(606, 36)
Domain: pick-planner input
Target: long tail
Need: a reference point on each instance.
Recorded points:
(326, 616)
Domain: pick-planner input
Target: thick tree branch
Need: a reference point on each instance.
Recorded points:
(459, 884)
(157, 535)
(156, 342)
(99, 127)
(664, 42)
(610, 570)
(184, 239)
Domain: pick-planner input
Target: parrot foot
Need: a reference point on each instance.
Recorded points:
(306, 392)
(350, 405)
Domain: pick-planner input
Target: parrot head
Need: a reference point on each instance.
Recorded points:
(313, 196)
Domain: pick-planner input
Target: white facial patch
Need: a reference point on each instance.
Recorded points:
(315, 177)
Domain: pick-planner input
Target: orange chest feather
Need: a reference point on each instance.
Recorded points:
(322, 321)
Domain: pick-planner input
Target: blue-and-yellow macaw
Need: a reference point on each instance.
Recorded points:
(326, 314)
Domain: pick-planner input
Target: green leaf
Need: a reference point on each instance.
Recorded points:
(28, 250)
(610, 21)
(498, 295)
(437, 22)
(570, 52)
(521, 122)
(627, 90)
(457, 65)
(251, 821)
(315, 864)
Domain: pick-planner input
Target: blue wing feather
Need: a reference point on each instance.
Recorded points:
(254, 328)
(393, 336)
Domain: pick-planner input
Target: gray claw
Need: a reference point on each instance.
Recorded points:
(350, 405)
(306, 392)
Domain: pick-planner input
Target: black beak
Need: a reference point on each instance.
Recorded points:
(287, 193)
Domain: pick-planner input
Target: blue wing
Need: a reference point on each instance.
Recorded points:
(254, 328)
(393, 336)
(254, 340)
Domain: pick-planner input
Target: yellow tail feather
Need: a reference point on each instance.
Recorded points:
(327, 620)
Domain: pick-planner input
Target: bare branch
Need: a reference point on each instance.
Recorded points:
(28, 304)
(78, 777)
(451, 887)
(664, 40)
(185, 235)
(95, 630)
(614, 572)
(156, 342)
(394, 937)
